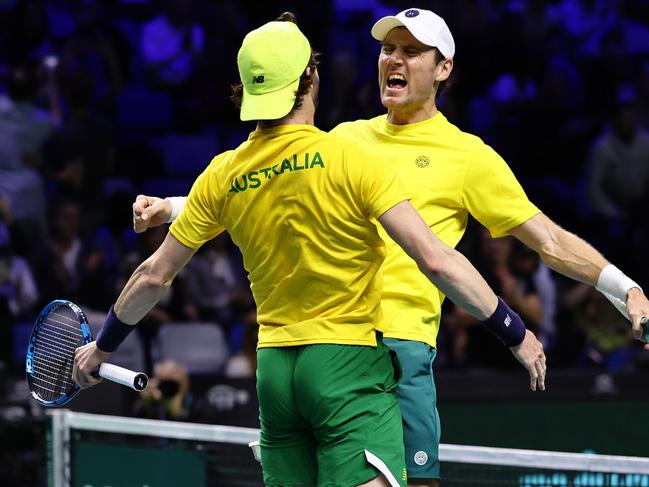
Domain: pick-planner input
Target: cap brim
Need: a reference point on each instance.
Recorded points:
(381, 28)
(268, 106)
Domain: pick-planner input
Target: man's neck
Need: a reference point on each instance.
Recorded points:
(406, 118)
(305, 115)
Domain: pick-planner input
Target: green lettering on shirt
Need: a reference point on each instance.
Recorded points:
(244, 183)
(317, 160)
(253, 179)
(286, 166)
(296, 166)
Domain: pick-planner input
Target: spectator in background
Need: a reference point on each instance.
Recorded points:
(17, 284)
(23, 129)
(244, 363)
(619, 167)
(18, 292)
(509, 268)
(110, 243)
(618, 185)
(59, 263)
(167, 396)
(609, 342)
(82, 151)
(170, 45)
(92, 51)
(211, 284)
(547, 290)
(67, 266)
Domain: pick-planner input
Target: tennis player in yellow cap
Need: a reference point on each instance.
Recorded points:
(298, 203)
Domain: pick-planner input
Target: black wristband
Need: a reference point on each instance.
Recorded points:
(113, 333)
(506, 325)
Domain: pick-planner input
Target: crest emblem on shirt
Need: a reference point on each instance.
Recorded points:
(422, 161)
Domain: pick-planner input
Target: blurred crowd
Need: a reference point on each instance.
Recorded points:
(102, 100)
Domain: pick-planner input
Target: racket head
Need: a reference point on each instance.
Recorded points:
(59, 329)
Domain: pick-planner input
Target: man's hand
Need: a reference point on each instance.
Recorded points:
(637, 307)
(530, 353)
(149, 212)
(87, 360)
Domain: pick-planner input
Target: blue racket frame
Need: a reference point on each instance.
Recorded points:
(29, 361)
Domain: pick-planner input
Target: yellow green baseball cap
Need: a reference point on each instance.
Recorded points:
(271, 60)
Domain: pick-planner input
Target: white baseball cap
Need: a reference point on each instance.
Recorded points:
(427, 27)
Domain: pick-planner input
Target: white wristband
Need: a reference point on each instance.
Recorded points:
(177, 205)
(614, 282)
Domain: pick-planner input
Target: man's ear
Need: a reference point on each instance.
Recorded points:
(444, 69)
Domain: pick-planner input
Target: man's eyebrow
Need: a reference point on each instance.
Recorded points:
(407, 46)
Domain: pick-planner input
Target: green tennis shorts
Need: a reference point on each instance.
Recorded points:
(418, 401)
(329, 415)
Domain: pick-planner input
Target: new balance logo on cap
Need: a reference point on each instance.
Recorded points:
(508, 320)
(258, 79)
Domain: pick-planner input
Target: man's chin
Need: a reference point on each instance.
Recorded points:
(393, 102)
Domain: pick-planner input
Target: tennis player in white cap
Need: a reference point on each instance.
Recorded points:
(452, 174)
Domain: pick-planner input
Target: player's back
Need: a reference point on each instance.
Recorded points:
(297, 202)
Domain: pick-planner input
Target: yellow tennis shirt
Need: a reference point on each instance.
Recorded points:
(450, 174)
(297, 202)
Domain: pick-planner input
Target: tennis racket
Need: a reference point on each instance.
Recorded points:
(621, 307)
(59, 330)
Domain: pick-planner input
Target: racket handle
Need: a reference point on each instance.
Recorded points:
(126, 377)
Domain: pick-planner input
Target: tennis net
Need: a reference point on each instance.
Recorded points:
(88, 450)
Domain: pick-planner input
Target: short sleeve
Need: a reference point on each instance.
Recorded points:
(493, 195)
(375, 182)
(199, 221)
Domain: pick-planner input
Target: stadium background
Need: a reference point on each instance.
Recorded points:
(100, 101)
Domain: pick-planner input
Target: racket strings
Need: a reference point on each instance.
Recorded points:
(56, 340)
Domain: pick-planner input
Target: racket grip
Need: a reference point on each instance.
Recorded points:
(126, 377)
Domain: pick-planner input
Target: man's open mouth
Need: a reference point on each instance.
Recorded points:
(397, 81)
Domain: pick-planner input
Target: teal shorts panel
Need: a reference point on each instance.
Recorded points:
(322, 407)
(418, 401)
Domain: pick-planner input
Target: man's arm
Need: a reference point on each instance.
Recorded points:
(445, 267)
(454, 275)
(146, 286)
(571, 256)
(561, 250)
(151, 280)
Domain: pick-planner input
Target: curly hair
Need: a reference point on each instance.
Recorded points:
(236, 89)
